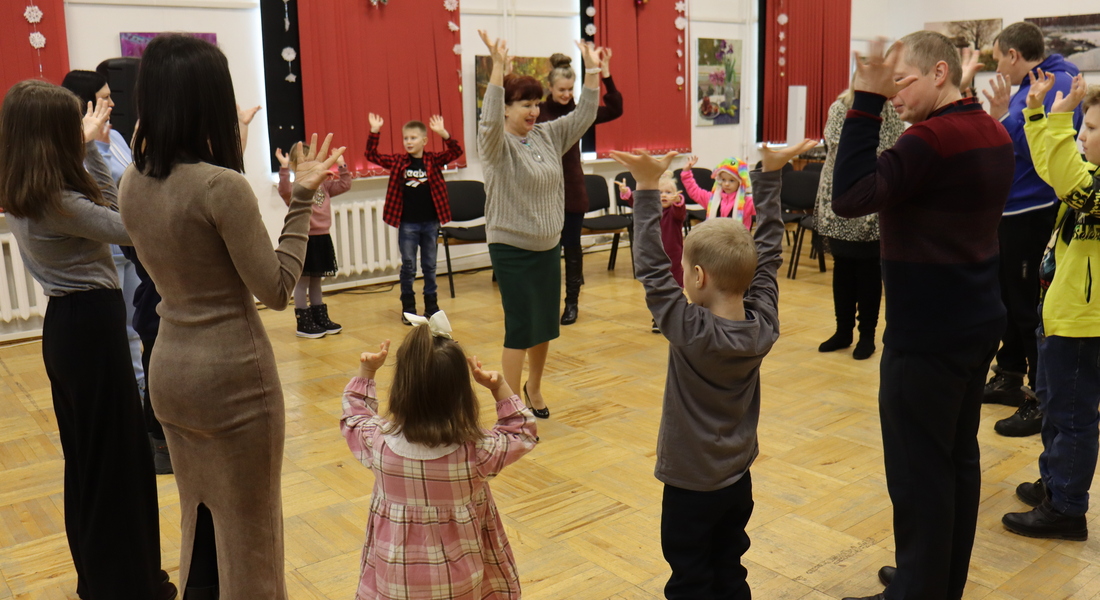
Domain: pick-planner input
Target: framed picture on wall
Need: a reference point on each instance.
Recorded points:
(719, 84)
(977, 34)
(133, 44)
(1076, 37)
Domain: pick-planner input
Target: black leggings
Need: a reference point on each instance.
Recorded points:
(571, 230)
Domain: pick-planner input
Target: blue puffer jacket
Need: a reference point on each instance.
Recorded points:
(1029, 191)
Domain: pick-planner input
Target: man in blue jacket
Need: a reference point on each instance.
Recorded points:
(1026, 224)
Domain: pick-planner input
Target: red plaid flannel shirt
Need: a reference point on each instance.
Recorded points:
(434, 162)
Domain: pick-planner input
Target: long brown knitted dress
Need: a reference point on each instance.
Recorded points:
(216, 389)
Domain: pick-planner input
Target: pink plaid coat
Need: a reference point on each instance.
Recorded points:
(434, 531)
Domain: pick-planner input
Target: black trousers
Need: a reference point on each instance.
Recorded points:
(1023, 238)
(930, 407)
(703, 539)
(857, 284)
(111, 513)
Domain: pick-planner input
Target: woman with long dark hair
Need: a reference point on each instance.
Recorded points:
(559, 103)
(196, 224)
(64, 217)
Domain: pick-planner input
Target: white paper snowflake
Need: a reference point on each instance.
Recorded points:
(681, 23)
(590, 11)
(38, 41)
(451, 5)
(291, 78)
(782, 49)
(679, 53)
(680, 80)
(681, 6)
(590, 29)
(452, 25)
(679, 39)
(782, 35)
(782, 61)
(458, 49)
(289, 54)
(33, 14)
(782, 19)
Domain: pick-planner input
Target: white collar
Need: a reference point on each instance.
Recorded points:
(406, 449)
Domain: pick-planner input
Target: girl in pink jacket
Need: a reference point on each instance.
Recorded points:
(731, 195)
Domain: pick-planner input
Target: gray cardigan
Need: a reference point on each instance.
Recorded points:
(707, 439)
(524, 183)
(69, 252)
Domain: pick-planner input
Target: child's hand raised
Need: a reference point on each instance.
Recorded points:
(436, 125)
(284, 160)
(774, 160)
(491, 380)
(370, 362)
(646, 169)
(1069, 103)
(376, 122)
(692, 160)
(313, 168)
(95, 119)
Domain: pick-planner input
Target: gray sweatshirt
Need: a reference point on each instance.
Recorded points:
(707, 439)
(524, 184)
(69, 252)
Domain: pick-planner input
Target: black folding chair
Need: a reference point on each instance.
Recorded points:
(467, 204)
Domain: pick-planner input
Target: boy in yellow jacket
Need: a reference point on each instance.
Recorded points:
(1068, 383)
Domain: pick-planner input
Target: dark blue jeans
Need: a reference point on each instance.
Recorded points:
(425, 237)
(1069, 395)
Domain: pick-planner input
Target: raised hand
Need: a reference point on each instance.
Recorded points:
(775, 159)
(646, 169)
(875, 72)
(692, 160)
(1002, 92)
(245, 115)
(370, 362)
(498, 48)
(593, 56)
(970, 67)
(436, 125)
(376, 122)
(606, 64)
(95, 119)
(313, 169)
(284, 160)
(1069, 103)
(491, 380)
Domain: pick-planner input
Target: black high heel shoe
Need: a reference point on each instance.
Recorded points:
(542, 413)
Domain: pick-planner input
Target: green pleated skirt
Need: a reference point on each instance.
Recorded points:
(530, 291)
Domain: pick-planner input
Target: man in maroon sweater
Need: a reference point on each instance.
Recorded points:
(939, 192)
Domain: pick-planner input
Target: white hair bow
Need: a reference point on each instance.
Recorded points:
(439, 325)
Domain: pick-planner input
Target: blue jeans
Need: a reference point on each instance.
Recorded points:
(1068, 387)
(410, 237)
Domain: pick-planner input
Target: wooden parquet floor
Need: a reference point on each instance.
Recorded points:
(583, 509)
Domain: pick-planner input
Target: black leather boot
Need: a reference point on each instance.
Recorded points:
(1004, 388)
(574, 278)
(408, 305)
(431, 304)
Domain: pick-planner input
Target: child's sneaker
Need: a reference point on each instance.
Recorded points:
(307, 328)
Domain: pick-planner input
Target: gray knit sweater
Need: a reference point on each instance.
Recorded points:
(524, 184)
(69, 252)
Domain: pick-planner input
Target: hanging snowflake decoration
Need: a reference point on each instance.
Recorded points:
(37, 40)
(679, 39)
(291, 77)
(680, 80)
(782, 61)
(458, 49)
(681, 6)
(782, 49)
(590, 29)
(590, 11)
(782, 19)
(681, 23)
(451, 5)
(452, 25)
(33, 14)
(782, 35)
(289, 54)
(679, 53)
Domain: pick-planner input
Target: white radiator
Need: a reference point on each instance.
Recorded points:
(364, 243)
(21, 298)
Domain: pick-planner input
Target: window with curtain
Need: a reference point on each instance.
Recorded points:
(646, 67)
(806, 42)
(397, 60)
(17, 34)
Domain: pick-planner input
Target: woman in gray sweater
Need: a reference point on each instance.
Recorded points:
(525, 207)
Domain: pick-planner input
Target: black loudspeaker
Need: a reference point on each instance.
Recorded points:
(121, 74)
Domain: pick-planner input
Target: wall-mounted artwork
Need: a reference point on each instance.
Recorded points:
(977, 34)
(133, 44)
(537, 67)
(1076, 37)
(719, 83)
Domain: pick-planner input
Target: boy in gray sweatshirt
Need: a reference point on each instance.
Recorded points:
(718, 337)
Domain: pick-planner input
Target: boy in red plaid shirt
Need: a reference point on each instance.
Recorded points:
(416, 202)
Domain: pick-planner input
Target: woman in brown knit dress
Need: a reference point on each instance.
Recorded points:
(196, 224)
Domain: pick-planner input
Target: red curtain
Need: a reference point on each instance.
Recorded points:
(20, 60)
(656, 111)
(812, 48)
(397, 60)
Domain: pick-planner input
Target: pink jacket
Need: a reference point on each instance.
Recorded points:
(321, 220)
(729, 201)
